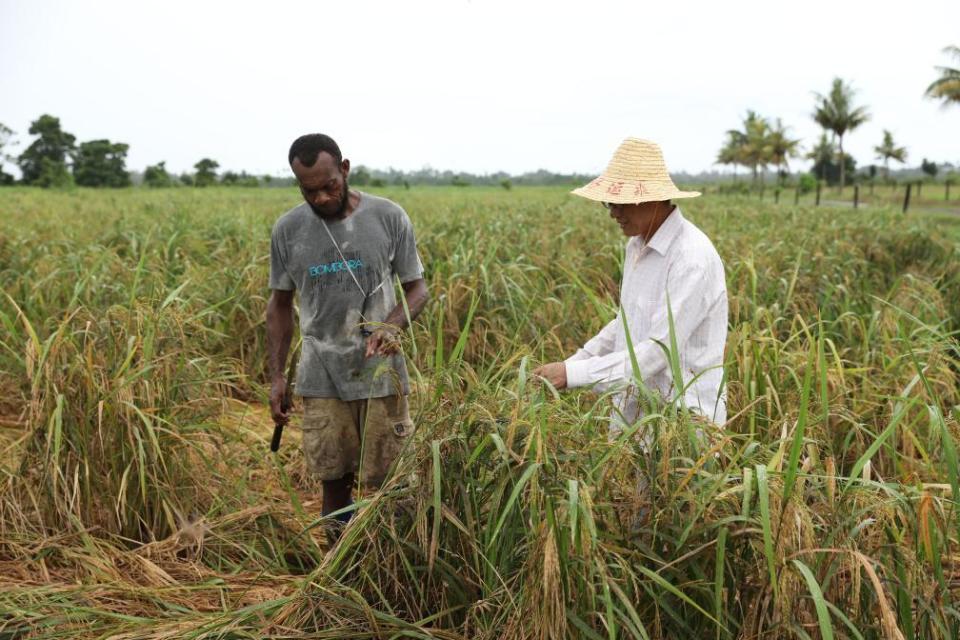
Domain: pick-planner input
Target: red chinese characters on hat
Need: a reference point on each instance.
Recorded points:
(638, 189)
(615, 188)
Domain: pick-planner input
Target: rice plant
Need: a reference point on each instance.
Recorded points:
(138, 498)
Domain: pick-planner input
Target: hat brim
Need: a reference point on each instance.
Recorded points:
(619, 192)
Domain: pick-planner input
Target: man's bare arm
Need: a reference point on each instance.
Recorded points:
(279, 336)
(416, 295)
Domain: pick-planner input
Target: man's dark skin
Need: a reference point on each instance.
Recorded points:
(643, 219)
(324, 187)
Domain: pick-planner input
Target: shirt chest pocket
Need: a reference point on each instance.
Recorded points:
(650, 312)
(649, 306)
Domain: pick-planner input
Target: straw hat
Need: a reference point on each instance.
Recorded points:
(637, 173)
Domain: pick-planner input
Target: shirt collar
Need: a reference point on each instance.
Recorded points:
(667, 232)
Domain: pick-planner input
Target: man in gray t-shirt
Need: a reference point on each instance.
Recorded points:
(343, 251)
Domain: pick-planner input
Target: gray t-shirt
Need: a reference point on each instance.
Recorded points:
(378, 245)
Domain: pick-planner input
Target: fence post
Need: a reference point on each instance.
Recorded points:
(818, 194)
(871, 188)
(796, 196)
(776, 196)
(856, 196)
(919, 184)
(906, 198)
(947, 197)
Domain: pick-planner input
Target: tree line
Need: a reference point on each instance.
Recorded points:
(760, 143)
(54, 159)
(45, 162)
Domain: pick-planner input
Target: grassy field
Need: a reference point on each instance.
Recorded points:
(138, 498)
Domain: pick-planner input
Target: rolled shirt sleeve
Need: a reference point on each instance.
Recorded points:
(602, 344)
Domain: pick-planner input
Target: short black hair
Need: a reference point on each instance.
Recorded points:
(308, 147)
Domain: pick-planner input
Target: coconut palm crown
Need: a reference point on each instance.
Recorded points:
(888, 150)
(835, 112)
(947, 86)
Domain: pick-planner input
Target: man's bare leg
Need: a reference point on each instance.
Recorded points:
(337, 494)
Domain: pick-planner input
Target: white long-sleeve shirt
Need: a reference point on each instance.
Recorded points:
(679, 261)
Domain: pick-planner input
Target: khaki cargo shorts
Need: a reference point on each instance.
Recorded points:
(337, 432)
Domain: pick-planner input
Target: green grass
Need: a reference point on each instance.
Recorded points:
(132, 505)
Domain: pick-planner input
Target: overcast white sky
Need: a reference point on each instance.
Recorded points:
(476, 86)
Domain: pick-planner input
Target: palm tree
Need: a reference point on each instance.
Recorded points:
(888, 150)
(781, 148)
(731, 152)
(947, 86)
(835, 112)
(821, 154)
(754, 143)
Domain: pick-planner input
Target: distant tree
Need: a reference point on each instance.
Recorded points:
(459, 181)
(206, 172)
(186, 179)
(6, 136)
(752, 144)
(266, 178)
(780, 148)
(156, 176)
(835, 112)
(929, 167)
(822, 155)
(360, 176)
(828, 168)
(44, 162)
(101, 163)
(807, 182)
(888, 150)
(242, 179)
(947, 86)
(730, 153)
(506, 184)
(53, 175)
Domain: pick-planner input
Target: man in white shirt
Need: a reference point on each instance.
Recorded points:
(668, 261)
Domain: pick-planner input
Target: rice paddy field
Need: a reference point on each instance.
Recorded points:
(138, 497)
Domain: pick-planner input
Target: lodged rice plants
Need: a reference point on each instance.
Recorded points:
(138, 499)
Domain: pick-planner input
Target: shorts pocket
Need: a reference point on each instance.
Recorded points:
(330, 443)
(398, 417)
(402, 428)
